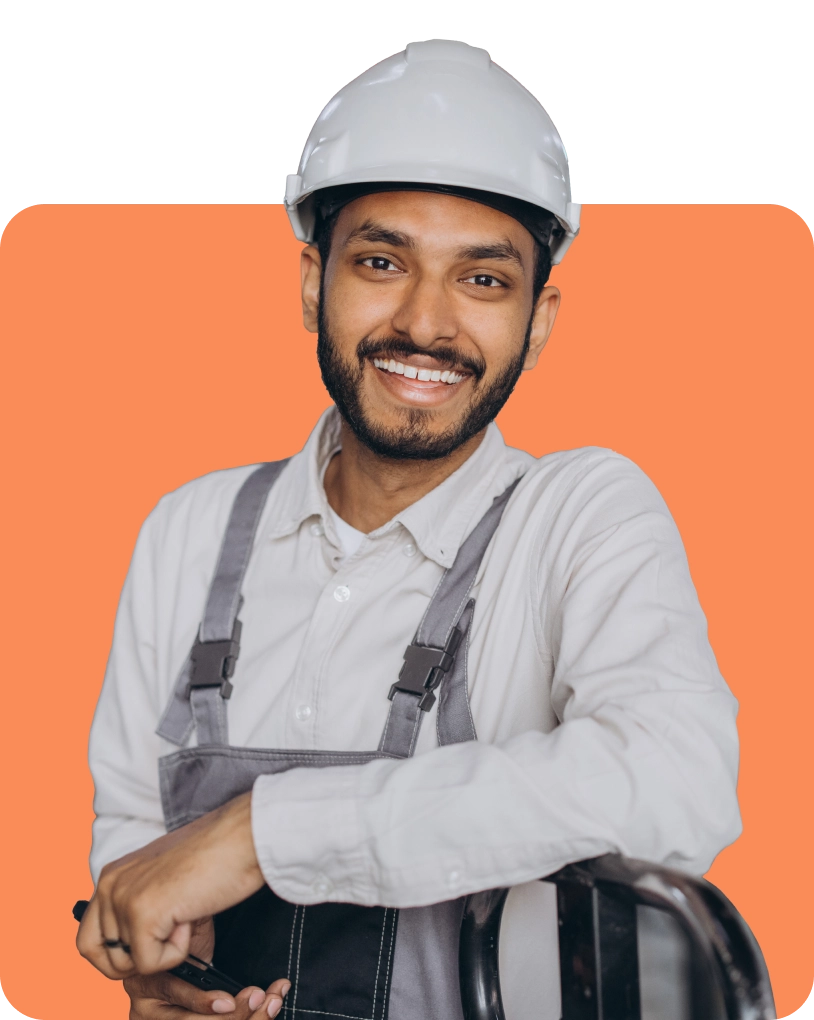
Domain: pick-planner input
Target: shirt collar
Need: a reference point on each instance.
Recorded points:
(438, 522)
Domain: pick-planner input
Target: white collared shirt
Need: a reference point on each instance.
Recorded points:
(603, 722)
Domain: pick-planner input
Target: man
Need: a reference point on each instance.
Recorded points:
(335, 796)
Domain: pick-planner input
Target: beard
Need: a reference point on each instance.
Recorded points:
(414, 438)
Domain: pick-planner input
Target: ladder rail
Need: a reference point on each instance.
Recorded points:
(599, 971)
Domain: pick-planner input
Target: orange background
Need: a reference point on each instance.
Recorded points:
(145, 345)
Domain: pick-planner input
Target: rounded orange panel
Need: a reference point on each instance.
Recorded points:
(145, 345)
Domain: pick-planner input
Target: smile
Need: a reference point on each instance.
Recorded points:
(422, 374)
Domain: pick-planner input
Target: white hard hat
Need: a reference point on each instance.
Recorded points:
(440, 113)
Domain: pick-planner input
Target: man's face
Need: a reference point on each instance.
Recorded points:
(425, 318)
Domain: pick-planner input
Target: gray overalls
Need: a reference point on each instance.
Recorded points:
(343, 960)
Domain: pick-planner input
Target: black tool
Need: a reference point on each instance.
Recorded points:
(193, 970)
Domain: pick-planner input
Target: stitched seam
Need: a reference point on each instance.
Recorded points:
(389, 958)
(466, 677)
(178, 695)
(223, 722)
(449, 686)
(379, 964)
(254, 490)
(322, 1012)
(418, 632)
(461, 605)
(299, 958)
(274, 754)
(442, 701)
(416, 728)
(291, 943)
(247, 494)
(383, 743)
(498, 507)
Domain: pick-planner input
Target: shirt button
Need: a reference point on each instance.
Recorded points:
(303, 712)
(454, 879)
(317, 530)
(409, 549)
(322, 886)
(342, 593)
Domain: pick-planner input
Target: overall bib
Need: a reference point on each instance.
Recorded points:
(344, 961)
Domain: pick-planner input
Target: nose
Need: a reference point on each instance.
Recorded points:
(426, 314)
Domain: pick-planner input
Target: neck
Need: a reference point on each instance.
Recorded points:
(367, 490)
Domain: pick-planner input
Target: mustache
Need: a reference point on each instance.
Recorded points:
(398, 348)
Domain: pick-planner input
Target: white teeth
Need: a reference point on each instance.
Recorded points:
(422, 374)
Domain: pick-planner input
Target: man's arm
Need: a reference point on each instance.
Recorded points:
(643, 763)
(123, 742)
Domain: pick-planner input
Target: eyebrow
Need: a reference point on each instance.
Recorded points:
(375, 233)
(503, 251)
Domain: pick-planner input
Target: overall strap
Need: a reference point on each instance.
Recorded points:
(439, 650)
(203, 686)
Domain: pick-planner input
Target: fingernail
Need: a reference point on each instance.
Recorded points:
(222, 1006)
(256, 999)
(275, 1003)
(286, 987)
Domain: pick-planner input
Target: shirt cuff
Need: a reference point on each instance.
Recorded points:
(305, 826)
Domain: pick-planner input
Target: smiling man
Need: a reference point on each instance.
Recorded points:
(409, 663)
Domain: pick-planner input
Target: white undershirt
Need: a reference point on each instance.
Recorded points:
(349, 538)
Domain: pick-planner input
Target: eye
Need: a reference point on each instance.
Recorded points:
(484, 280)
(379, 262)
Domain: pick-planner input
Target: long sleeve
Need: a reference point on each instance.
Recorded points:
(642, 762)
(123, 747)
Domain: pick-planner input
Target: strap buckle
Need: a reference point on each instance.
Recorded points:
(424, 668)
(213, 662)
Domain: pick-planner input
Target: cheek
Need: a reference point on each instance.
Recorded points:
(356, 311)
(497, 331)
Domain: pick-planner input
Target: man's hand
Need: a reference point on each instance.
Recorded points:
(165, 997)
(149, 900)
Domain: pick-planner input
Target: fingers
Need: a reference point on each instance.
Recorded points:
(273, 1000)
(93, 932)
(166, 997)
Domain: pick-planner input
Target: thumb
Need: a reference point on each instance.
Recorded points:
(180, 937)
(151, 954)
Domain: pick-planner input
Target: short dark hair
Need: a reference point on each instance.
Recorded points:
(542, 253)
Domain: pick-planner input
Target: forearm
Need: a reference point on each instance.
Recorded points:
(656, 782)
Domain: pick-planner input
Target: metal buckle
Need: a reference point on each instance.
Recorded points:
(424, 668)
(213, 662)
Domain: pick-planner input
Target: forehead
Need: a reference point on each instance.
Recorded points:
(432, 221)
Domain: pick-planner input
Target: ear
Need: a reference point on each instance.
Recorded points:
(545, 312)
(311, 274)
